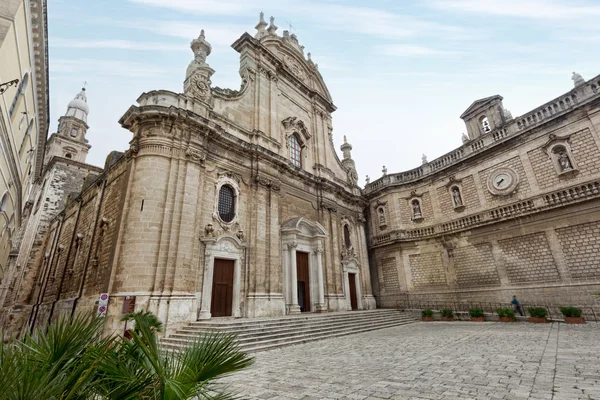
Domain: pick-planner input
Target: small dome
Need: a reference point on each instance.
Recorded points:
(78, 107)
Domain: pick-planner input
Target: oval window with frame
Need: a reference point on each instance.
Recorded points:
(226, 203)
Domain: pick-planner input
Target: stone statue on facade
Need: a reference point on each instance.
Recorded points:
(577, 79)
(384, 170)
(368, 180)
(456, 196)
(416, 206)
(564, 161)
(424, 159)
(464, 138)
(381, 217)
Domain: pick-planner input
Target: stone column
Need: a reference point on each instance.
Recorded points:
(294, 308)
(207, 286)
(321, 307)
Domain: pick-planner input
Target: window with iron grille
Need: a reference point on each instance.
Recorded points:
(295, 151)
(347, 237)
(226, 203)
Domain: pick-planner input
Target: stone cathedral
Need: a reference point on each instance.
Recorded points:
(234, 203)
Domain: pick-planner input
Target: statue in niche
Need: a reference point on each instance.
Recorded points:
(416, 206)
(381, 217)
(456, 196)
(564, 161)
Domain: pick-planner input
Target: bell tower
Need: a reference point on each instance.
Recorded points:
(69, 141)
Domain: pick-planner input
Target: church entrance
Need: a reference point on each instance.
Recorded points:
(352, 287)
(303, 281)
(222, 290)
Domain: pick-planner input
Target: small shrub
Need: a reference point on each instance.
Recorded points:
(571, 312)
(446, 313)
(427, 313)
(476, 312)
(506, 312)
(537, 312)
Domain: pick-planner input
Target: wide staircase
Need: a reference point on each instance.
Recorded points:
(258, 334)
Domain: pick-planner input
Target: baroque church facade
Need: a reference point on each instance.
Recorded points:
(234, 203)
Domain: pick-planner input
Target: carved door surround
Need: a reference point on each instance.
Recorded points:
(225, 247)
(302, 235)
(351, 267)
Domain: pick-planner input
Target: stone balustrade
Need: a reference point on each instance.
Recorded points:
(516, 126)
(580, 192)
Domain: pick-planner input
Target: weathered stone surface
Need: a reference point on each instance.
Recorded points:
(449, 360)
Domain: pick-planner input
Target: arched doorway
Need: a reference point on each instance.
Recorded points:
(303, 265)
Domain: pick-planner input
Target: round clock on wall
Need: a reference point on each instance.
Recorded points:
(503, 181)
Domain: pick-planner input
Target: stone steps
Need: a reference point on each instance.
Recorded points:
(263, 334)
(284, 329)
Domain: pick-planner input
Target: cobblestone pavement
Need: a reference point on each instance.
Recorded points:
(437, 360)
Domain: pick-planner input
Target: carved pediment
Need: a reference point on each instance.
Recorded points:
(293, 125)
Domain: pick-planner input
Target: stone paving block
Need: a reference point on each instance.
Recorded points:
(446, 361)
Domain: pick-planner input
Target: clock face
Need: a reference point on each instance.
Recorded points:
(503, 181)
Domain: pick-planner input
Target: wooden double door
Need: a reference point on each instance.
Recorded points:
(302, 280)
(222, 288)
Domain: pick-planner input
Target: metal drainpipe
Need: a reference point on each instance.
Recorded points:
(87, 261)
(42, 292)
(62, 278)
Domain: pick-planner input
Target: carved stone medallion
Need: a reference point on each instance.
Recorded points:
(294, 67)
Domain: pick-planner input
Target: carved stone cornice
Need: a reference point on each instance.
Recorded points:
(268, 182)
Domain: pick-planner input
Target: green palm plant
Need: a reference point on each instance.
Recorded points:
(141, 368)
(59, 362)
(71, 360)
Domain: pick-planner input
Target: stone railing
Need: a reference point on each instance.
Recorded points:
(461, 223)
(573, 194)
(516, 126)
(447, 159)
(512, 209)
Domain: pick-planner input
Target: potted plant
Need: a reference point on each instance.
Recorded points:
(572, 315)
(506, 314)
(447, 314)
(427, 315)
(476, 315)
(537, 315)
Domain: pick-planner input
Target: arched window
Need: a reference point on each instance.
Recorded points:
(3, 201)
(347, 241)
(68, 155)
(226, 203)
(295, 151)
(74, 132)
(485, 124)
(20, 89)
(26, 138)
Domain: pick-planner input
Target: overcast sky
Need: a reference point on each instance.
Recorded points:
(400, 72)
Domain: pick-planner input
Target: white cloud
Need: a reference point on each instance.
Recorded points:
(363, 20)
(116, 44)
(531, 9)
(122, 69)
(411, 50)
(214, 7)
(218, 35)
